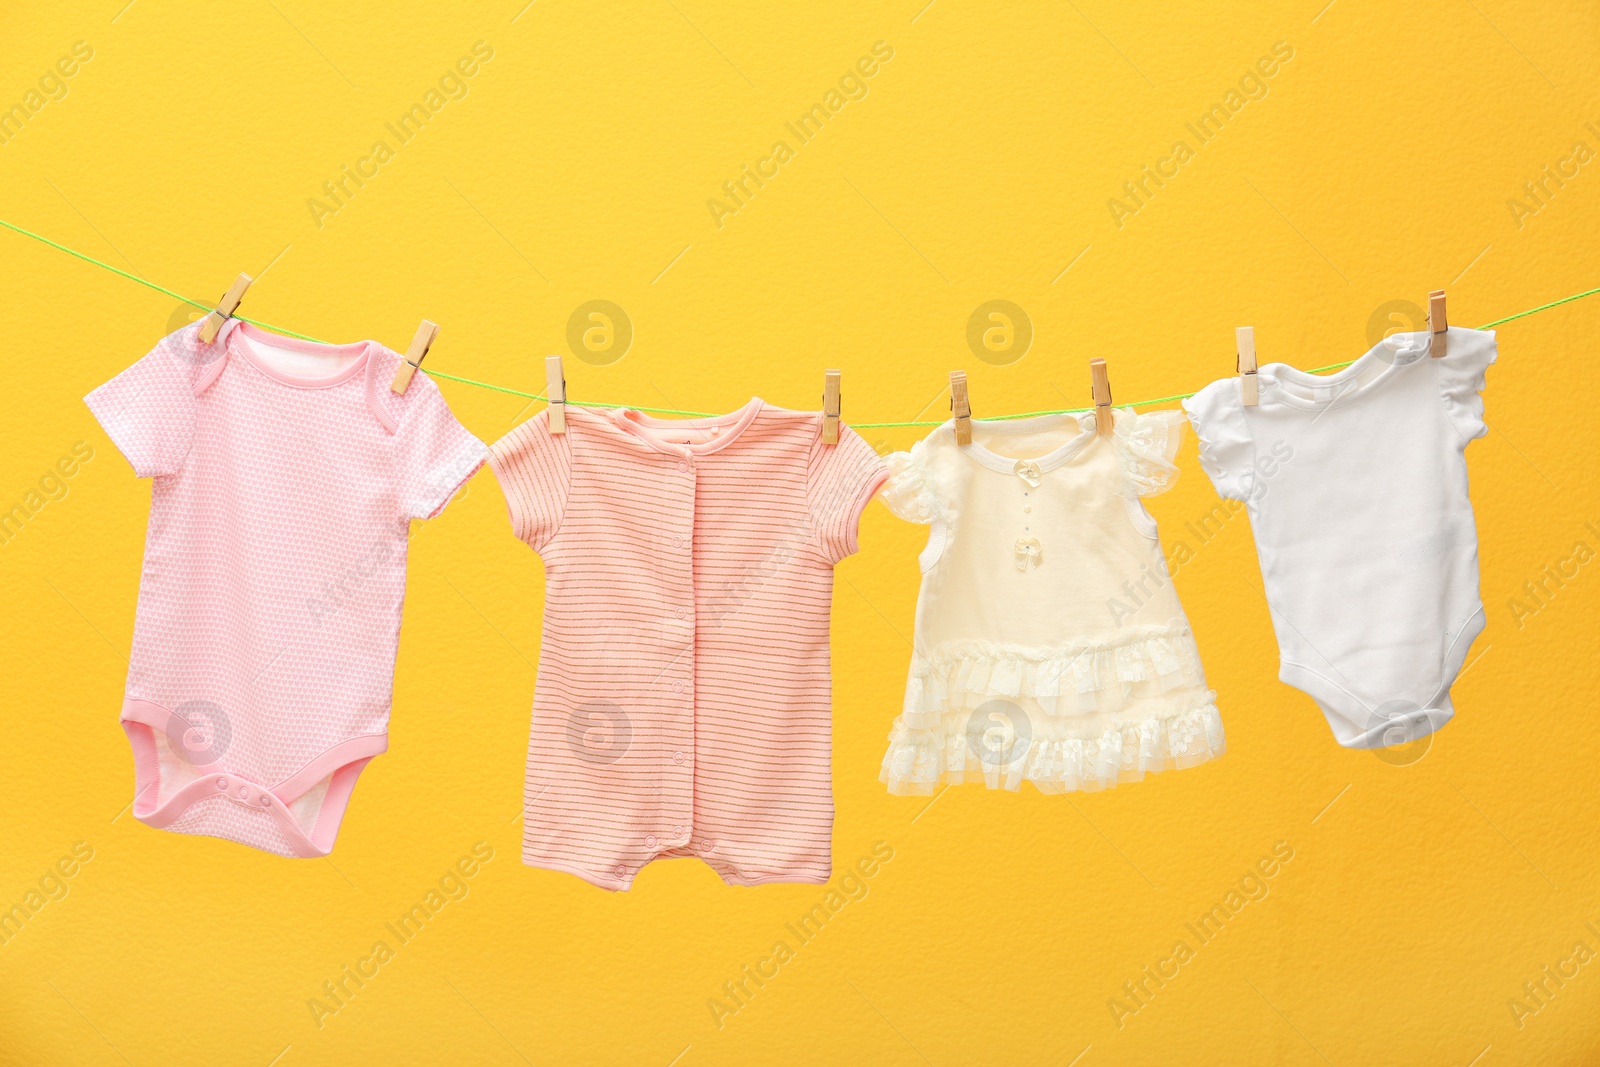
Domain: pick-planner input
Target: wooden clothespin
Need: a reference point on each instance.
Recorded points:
(1248, 390)
(830, 407)
(555, 391)
(413, 361)
(1104, 423)
(1438, 323)
(225, 309)
(960, 407)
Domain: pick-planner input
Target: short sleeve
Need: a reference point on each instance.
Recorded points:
(1227, 452)
(533, 467)
(842, 479)
(1468, 354)
(148, 411)
(436, 454)
(1146, 446)
(909, 492)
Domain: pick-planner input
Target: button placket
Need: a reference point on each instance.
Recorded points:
(681, 623)
(1030, 473)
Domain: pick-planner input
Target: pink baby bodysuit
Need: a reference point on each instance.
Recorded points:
(683, 704)
(285, 475)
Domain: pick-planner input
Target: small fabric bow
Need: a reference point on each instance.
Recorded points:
(1028, 471)
(1029, 554)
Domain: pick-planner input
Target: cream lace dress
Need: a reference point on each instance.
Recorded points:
(1050, 644)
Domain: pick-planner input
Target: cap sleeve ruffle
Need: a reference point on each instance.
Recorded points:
(1146, 445)
(909, 492)
(1227, 451)
(1461, 378)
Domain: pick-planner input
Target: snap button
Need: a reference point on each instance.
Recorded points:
(222, 783)
(679, 612)
(677, 757)
(650, 840)
(683, 464)
(266, 801)
(677, 540)
(244, 790)
(677, 687)
(677, 831)
(621, 870)
(706, 846)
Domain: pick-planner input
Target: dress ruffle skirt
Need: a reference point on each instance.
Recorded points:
(1075, 718)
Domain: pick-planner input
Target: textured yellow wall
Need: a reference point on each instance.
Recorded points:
(1376, 162)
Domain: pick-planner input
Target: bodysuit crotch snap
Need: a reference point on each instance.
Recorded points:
(185, 783)
(1362, 716)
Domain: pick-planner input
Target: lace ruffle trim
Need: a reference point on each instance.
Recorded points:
(907, 492)
(1148, 442)
(1087, 676)
(919, 761)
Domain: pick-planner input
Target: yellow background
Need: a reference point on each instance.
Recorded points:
(1420, 897)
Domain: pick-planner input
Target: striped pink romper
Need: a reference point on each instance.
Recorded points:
(683, 702)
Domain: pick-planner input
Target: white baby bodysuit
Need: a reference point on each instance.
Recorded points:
(1356, 488)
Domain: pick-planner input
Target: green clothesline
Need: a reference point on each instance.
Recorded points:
(675, 411)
